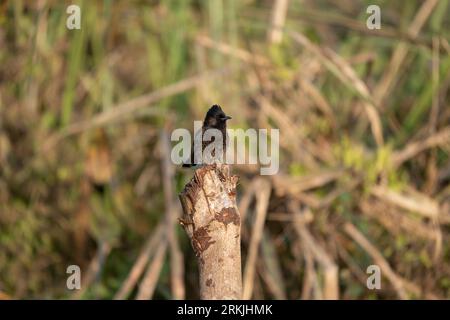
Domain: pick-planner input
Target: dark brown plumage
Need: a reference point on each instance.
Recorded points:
(215, 119)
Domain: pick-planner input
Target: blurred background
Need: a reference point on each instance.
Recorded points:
(364, 119)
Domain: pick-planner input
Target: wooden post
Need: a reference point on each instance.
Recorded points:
(212, 222)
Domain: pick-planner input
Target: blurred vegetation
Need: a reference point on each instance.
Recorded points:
(80, 183)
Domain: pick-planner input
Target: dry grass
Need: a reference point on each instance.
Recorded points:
(363, 115)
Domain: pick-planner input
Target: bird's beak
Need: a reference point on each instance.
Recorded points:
(228, 118)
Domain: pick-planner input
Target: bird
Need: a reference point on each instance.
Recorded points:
(215, 119)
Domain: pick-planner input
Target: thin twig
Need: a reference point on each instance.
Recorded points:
(94, 268)
(148, 284)
(139, 265)
(413, 202)
(344, 72)
(412, 149)
(330, 269)
(262, 198)
(388, 79)
(172, 213)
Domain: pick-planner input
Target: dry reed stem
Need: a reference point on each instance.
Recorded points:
(419, 203)
(358, 25)
(94, 268)
(349, 261)
(395, 222)
(330, 269)
(435, 61)
(279, 12)
(344, 72)
(310, 275)
(305, 218)
(292, 132)
(172, 215)
(412, 149)
(139, 266)
(262, 202)
(388, 79)
(287, 184)
(401, 285)
(150, 279)
(319, 100)
(270, 269)
(378, 258)
(247, 198)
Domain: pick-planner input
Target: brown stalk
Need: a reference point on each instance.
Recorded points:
(94, 268)
(401, 286)
(279, 12)
(148, 283)
(419, 203)
(262, 202)
(390, 76)
(172, 214)
(330, 269)
(270, 270)
(139, 266)
(344, 72)
(412, 149)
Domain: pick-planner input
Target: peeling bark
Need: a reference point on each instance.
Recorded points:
(212, 221)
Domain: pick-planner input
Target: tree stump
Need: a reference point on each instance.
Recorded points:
(212, 221)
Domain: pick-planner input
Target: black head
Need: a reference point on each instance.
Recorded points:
(216, 118)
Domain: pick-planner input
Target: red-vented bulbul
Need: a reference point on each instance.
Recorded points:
(215, 119)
